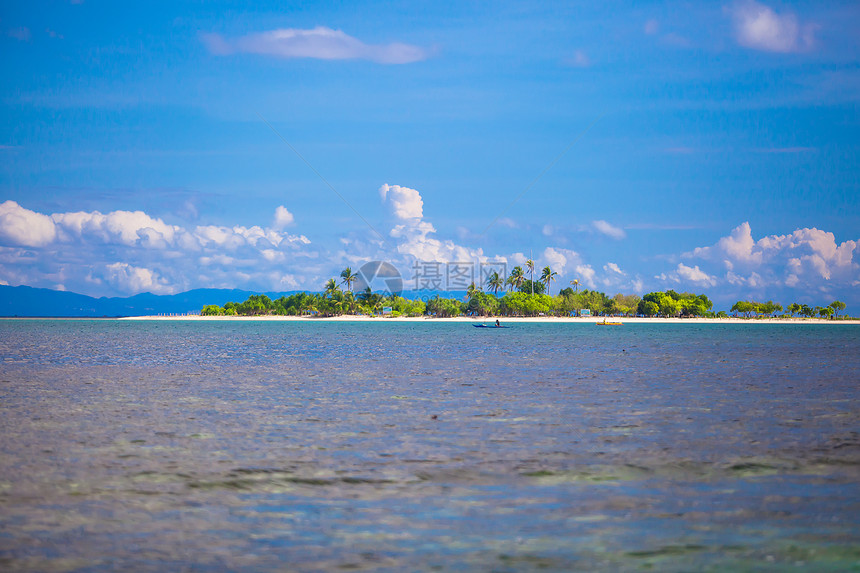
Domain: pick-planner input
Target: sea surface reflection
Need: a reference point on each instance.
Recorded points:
(310, 446)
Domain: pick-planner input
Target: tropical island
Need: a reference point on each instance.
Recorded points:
(521, 297)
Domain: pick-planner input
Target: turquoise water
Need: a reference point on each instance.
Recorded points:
(153, 446)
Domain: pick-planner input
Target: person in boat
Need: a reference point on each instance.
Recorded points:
(497, 323)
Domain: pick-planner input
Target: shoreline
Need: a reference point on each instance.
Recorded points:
(489, 320)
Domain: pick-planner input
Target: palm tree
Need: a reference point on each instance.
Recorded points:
(530, 265)
(348, 278)
(517, 277)
(495, 282)
(331, 288)
(350, 301)
(470, 292)
(309, 305)
(575, 283)
(365, 295)
(547, 276)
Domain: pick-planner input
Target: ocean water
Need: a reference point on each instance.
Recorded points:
(311, 446)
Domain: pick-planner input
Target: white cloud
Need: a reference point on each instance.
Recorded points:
(547, 230)
(125, 252)
(418, 240)
(283, 217)
(559, 259)
(759, 27)
(217, 236)
(406, 203)
(608, 229)
(585, 274)
(615, 278)
(688, 275)
(123, 227)
(519, 259)
(232, 238)
(806, 258)
(319, 43)
(273, 255)
(738, 246)
(695, 275)
(132, 280)
(22, 227)
(754, 280)
(810, 252)
(415, 238)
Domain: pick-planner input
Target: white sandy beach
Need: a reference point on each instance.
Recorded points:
(502, 319)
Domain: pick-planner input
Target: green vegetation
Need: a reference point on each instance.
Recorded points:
(671, 303)
(749, 308)
(770, 309)
(524, 297)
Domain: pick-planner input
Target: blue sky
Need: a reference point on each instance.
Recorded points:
(702, 146)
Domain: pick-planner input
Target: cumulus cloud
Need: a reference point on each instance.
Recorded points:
(416, 239)
(20, 226)
(608, 229)
(807, 257)
(319, 43)
(130, 279)
(406, 203)
(283, 217)
(519, 259)
(738, 246)
(695, 275)
(124, 227)
(688, 275)
(560, 259)
(131, 251)
(585, 274)
(759, 27)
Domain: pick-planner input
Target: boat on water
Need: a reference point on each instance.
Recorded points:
(606, 323)
(488, 326)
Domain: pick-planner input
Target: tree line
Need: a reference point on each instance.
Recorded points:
(524, 297)
(750, 309)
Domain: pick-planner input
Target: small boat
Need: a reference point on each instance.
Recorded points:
(613, 323)
(488, 326)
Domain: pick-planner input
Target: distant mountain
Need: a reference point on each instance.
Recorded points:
(29, 301)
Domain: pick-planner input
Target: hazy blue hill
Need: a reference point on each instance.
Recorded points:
(29, 301)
